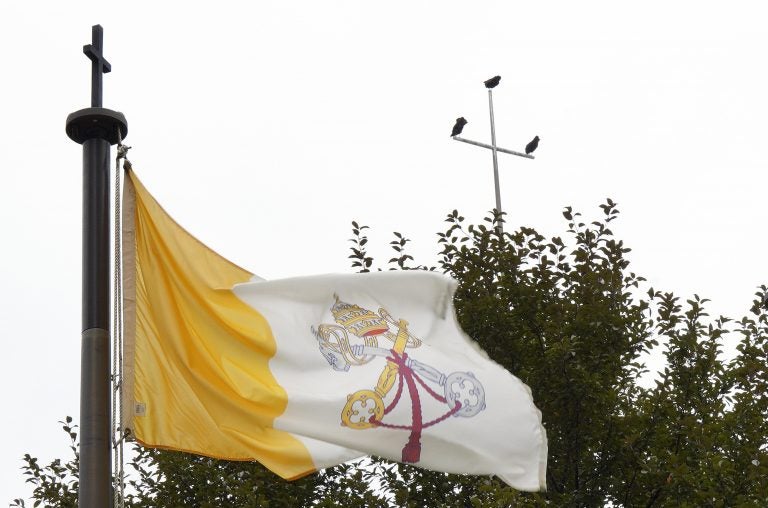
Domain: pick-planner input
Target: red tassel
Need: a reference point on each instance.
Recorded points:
(412, 452)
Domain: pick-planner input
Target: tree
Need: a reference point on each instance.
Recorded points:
(181, 479)
(56, 483)
(568, 317)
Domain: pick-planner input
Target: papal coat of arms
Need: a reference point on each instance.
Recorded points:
(356, 341)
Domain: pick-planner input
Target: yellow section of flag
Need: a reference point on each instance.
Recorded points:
(196, 356)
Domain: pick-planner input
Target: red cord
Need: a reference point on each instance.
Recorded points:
(412, 449)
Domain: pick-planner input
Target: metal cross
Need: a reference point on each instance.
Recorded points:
(99, 64)
(494, 149)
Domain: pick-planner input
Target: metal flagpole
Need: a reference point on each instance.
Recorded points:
(495, 160)
(96, 128)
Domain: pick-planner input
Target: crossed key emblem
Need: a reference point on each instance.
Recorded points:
(364, 409)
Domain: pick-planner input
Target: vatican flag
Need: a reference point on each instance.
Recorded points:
(304, 373)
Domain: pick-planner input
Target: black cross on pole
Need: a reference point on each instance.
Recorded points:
(95, 128)
(99, 64)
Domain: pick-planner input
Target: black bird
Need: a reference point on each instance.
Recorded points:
(530, 147)
(493, 82)
(457, 128)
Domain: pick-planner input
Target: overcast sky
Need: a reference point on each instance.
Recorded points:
(265, 127)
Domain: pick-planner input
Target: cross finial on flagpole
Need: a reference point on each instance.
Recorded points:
(99, 65)
(490, 84)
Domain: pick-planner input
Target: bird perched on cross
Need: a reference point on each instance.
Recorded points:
(493, 82)
(530, 147)
(458, 126)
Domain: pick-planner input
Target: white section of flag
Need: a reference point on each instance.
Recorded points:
(505, 438)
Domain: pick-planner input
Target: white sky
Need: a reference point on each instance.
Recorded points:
(266, 127)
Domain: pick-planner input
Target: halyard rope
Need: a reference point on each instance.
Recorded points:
(117, 338)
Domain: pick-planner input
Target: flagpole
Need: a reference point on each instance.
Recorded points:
(96, 128)
(495, 160)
